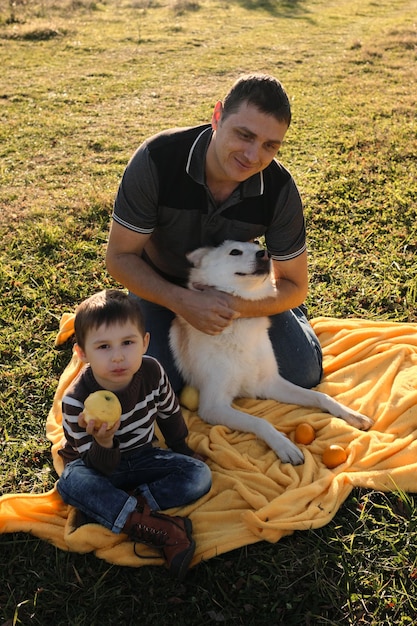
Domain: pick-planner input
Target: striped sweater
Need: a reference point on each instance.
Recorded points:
(148, 398)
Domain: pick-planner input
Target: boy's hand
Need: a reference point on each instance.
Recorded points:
(199, 457)
(102, 436)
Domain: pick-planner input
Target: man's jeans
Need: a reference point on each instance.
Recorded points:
(296, 347)
(164, 478)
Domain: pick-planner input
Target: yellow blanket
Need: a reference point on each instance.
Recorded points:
(371, 366)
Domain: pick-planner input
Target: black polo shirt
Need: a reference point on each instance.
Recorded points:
(163, 194)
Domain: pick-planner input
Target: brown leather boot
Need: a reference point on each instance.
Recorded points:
(170, 534)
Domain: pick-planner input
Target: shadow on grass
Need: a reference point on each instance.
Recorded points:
(282, 8)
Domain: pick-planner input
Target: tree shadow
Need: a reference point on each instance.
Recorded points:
(282, 8)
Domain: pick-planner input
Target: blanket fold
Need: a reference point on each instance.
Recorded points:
(370, 366)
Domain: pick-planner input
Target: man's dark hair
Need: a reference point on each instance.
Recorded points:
(110, 306)
(262, 91)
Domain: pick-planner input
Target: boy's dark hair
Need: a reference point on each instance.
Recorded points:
(262, 91)
(109, 306)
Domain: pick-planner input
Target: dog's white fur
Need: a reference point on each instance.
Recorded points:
(240, 362)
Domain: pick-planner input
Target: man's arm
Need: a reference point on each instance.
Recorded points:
(291, 281)
(124, 262)
(291, 289)
(206, 309)
(209, 311)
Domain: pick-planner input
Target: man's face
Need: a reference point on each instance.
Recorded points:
(244, 143)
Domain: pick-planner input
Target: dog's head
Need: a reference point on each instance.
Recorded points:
(237, 267)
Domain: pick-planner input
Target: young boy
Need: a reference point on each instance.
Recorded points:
(118, 477)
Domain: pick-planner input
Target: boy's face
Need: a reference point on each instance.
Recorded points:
(114, 353)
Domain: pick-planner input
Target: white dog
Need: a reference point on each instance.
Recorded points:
(240, 362)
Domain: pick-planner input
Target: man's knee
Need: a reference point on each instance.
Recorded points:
(296, 348)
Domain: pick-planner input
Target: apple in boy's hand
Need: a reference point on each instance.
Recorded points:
(103, 407)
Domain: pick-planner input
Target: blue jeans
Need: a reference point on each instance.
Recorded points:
(296, 347)
(165, 478)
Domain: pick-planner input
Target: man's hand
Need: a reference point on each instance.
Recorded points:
(208, 309)
(102, 436)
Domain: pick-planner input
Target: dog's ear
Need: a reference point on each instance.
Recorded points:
(195, 257)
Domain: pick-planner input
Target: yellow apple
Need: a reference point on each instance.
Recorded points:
(189, 397)
(103, 407)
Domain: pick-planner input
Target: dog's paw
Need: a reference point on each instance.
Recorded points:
(289, 453)
(359, 421)
(365, 423)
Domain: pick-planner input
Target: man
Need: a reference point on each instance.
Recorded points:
(185, 188)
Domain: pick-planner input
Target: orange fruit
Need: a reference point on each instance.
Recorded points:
(304, 433)
(334, 455)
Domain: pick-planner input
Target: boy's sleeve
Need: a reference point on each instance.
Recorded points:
(170, 418)
(104, 460)
(175, 432)
(75, 436)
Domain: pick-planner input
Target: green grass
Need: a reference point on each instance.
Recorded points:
(83, 83)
